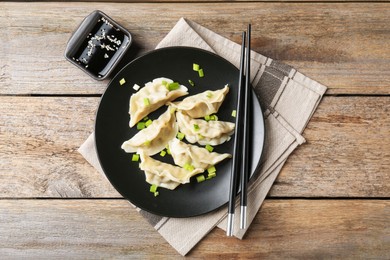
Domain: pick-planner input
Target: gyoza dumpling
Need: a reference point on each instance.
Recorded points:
(199, 157)
(155, 137)
(204, 132)
(151, 97)
(202, 104)
(163, 174)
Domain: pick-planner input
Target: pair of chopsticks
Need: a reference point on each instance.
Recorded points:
(240, 164)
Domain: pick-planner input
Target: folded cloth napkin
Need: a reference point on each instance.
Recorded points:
(288, 99)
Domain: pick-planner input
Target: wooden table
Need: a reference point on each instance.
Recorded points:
(331, 200)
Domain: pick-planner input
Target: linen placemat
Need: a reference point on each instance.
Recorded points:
(288, 99)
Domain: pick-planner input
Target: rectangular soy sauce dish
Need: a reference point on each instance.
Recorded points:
(97, 45)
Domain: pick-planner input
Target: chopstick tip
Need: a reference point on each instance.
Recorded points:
(243, 217)
(230, 221)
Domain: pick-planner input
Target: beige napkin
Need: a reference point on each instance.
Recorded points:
(288, 100)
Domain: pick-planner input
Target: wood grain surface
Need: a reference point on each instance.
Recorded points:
(79, 229)
(348, 43)
(331, 199)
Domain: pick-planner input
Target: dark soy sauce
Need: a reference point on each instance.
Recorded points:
(101, 48)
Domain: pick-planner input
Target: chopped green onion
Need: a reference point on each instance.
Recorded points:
(211, 175)
(201, 73)
(200, 178)
(234, 113)
(153, 188)
(135, 157)
(140, 125)
(188, 167)
(209, 94)
(196, 127)
(211, 169)
(200, 136)
(209, 148)
(207, 118)
(148, 123)
(146, 101)
(173, 86)
(195, 67)
(122, 81)
(145, 118)
(180, 135)
(164, 82)
(168, 151)
(156, 194)
(191, 82)
(147, 143)
(214, 118)
(163, 153)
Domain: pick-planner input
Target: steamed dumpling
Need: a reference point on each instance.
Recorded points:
(163, 174)
(202, 104)
(155, 137)
(203, 132)
(151, 97)
(198, 157)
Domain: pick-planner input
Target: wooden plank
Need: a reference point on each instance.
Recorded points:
(347, 153)
(300, 229)
(202, 1)
(340, 45)
(39, 142)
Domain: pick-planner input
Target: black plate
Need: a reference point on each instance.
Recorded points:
(112, 129)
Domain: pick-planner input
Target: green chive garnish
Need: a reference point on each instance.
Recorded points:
(234, 113)
(135, 157)
(195, 67)
(163, 153)
(211, 169)
(140, 125)
(201, 73)
(148, 123)
(168, 151)
(209, 148)
(147, 143)
(122, 81)
(146, 101)
(153, 188)
(207, 118)
(188, 167)
(191, 82)
(173, 86)
(180, 135)
(145, 118)
(209, 94)
(200, 178)
(156, 194)
(211, 175)
(214, 118)
(196, 127)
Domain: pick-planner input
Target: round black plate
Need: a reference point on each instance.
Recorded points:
(112, 129)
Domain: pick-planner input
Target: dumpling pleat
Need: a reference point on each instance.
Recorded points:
(156, 94)
(155, 137)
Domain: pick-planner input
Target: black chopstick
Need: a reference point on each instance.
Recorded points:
(236, 147)
(246, 127)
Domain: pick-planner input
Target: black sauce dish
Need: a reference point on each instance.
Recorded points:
(97, 45)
